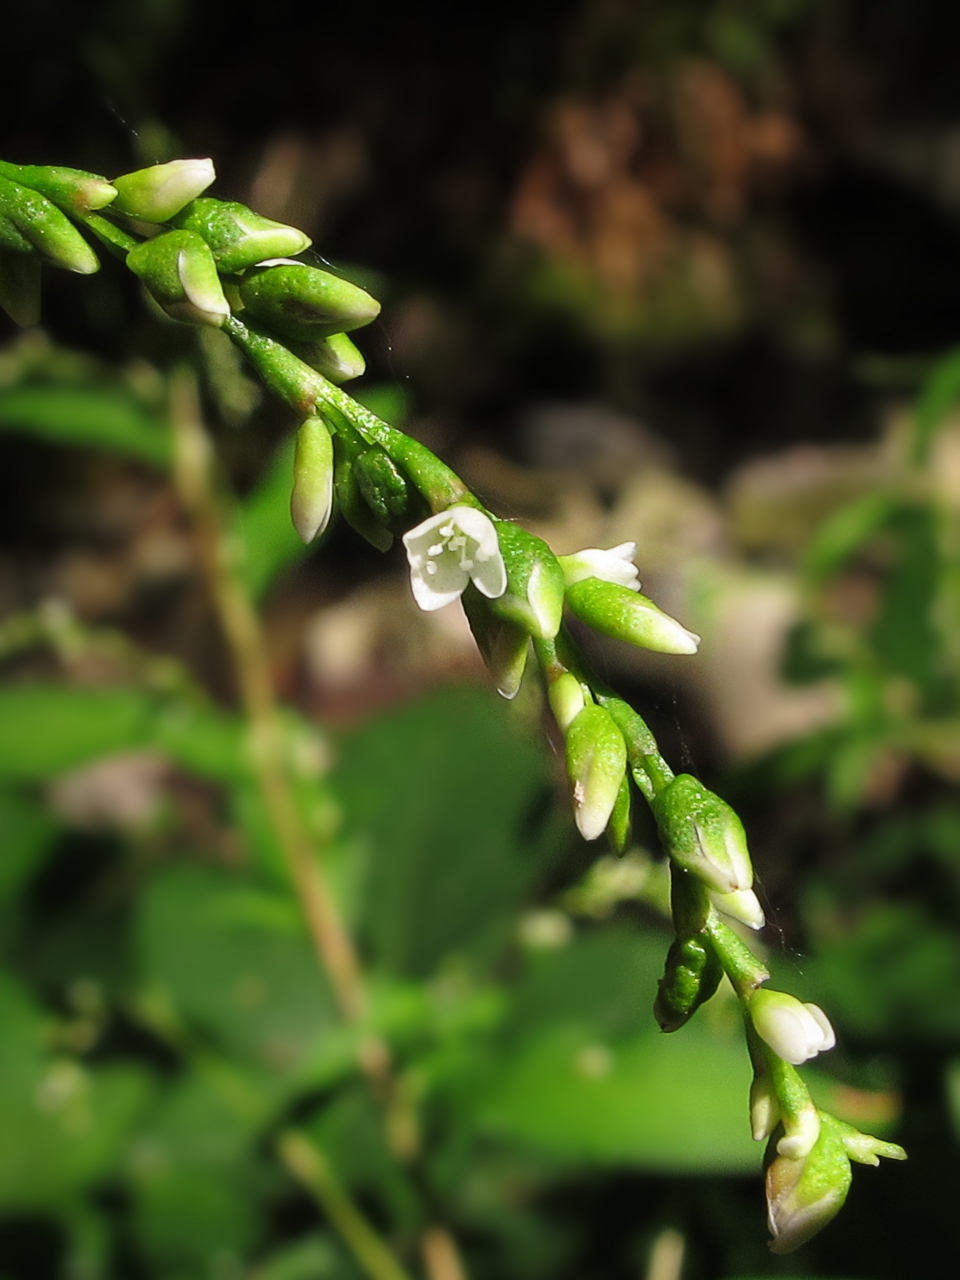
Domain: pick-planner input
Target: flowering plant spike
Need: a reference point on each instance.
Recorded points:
(212, 262)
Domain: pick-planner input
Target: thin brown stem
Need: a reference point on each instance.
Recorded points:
(334, 947)
(241, 628)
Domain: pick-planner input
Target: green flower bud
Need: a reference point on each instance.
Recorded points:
(794, 1031)
(72, 190)
(566, 699)
(764, 1107)
(387, 491)
(596, 765)
(239, 237)
(305, 303)
(311, 501)
(347, 450)
(625, 614)
(335, 357)
(178, 270)
(20, 288)
(620, 826)
(804, 1194)
(503, 645)
(691, 976)
(534, 595)
(703, 835)
(29, 221)
(157, 193)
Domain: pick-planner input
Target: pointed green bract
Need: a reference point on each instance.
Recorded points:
(38, 224)
(238, 237)
(178, 270)
(803, 1195)
(305, 303)
(72, 190)
(625, 614)
(335, 357)
(534, 595)
(503, 645)
(703, 835)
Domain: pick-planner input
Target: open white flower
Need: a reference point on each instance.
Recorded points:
(615, 565)
(451, 549)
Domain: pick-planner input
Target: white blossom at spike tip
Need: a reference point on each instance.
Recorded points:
(793, 1030)
(451, 549)
(615, 565)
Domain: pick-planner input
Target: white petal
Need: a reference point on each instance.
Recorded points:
(477, 526)
(490, 577)
(418, 539)
(827, 1034)
(426, 594)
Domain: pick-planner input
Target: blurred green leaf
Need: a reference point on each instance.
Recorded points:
(242, 969)
(904, 634)
(192, 1170)
(62, 1124)
(450, 806)
(589, 1077)
(27, 830)
(316, 1257)
(845, 532)
(47, 729)
(103, 418)
(939, 394)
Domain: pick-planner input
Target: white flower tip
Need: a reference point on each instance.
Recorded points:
(310, 516)
(615, 565)
(828, 1036)
(203, 292)
(687, 642)
(742, 905)
(591, 821)
(764, 1108)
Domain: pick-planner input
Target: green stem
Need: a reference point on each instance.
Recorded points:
(118, 241)
(310, 1167)
(739, 963)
